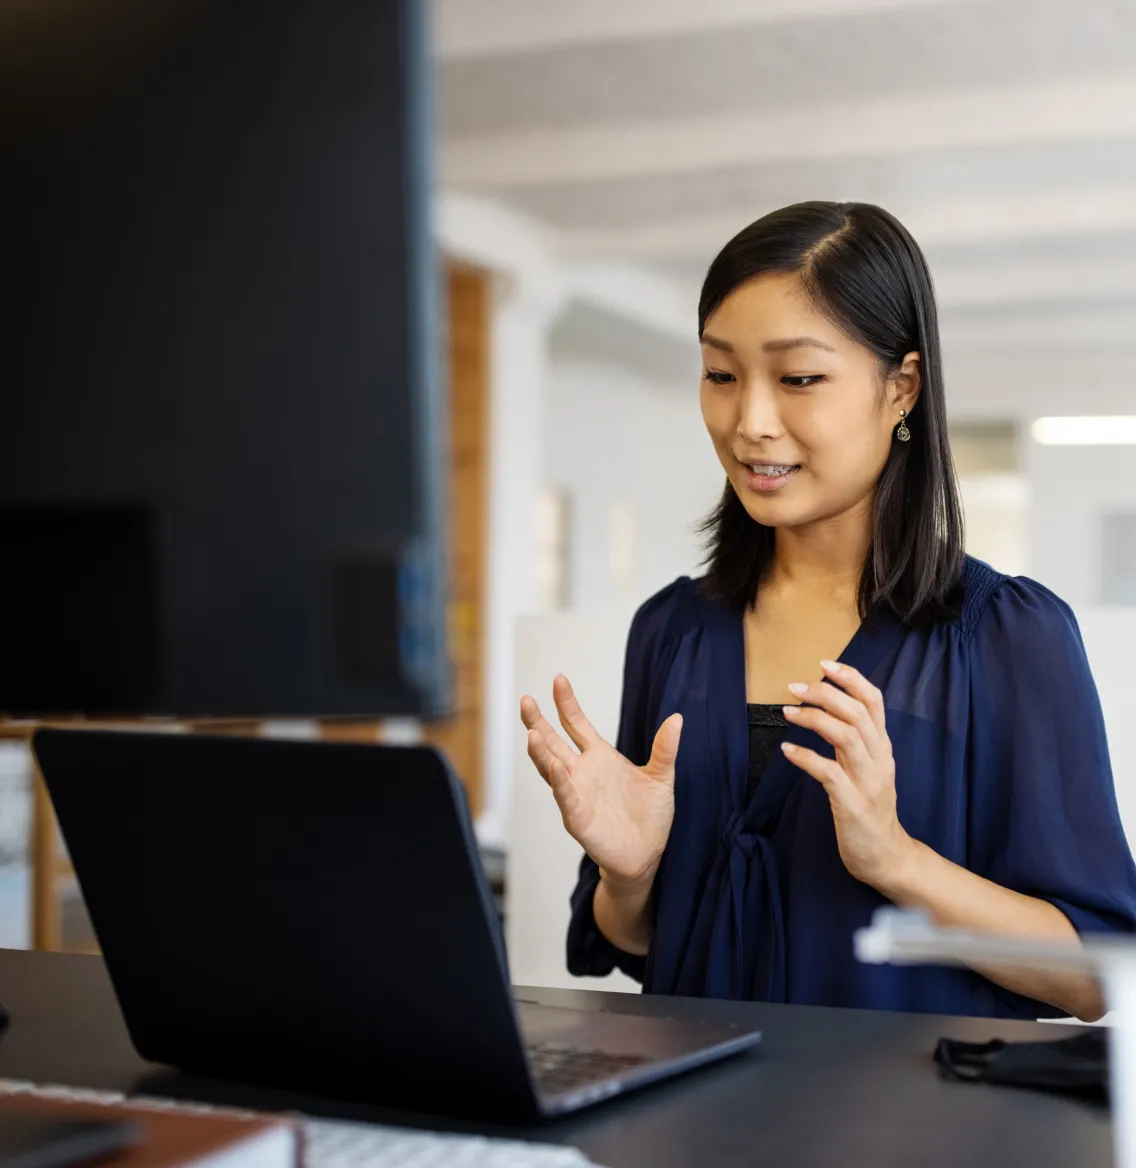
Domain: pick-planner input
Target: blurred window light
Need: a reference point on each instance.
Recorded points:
(1102, 430)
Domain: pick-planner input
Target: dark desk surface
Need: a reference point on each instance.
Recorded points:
(846, 1088)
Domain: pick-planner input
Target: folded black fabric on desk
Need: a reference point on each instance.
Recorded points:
(1068, 1066)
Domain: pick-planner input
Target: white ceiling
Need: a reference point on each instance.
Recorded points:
(1003, 132)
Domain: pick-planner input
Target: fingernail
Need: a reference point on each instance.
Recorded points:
(791, 711)
(788, 748)
(830, 666)
(799, 688)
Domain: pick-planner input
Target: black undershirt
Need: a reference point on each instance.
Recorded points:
(767, 725)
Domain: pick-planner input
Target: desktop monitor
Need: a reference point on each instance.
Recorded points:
(222, 435)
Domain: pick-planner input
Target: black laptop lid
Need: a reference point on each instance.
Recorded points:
(302, 914)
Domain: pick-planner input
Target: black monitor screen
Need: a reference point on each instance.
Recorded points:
(221, 437)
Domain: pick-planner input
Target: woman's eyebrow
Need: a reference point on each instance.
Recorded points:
(778, 346)
(796, 343)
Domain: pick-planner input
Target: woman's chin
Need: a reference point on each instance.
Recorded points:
(786, 507)
(774, 512)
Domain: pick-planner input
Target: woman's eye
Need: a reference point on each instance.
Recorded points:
(803, 381)
(716, 377)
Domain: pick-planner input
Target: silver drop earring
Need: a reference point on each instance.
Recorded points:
(903, 433)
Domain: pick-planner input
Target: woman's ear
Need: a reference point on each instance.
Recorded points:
(904, 386)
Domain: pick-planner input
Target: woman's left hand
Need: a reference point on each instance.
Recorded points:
(860, 781)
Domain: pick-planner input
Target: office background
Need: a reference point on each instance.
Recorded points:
(592, 157)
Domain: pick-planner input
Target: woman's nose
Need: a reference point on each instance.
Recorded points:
(758, 418)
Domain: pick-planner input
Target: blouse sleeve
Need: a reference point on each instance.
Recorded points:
(1044, 816)
(590, 953)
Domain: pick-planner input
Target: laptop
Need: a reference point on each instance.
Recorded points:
(314, 916)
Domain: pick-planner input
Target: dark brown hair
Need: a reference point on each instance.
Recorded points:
(860, 266)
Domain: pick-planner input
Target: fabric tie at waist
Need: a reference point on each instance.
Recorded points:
(751, 888)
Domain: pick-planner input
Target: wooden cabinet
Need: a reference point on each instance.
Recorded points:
(461, 735)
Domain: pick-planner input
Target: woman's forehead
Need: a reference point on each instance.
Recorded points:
(768, 313)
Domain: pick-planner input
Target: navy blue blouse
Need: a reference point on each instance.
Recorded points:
(1001, 766)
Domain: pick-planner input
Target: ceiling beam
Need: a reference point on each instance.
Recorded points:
(1003, 383)
(489, 28)
(1094, 330)
(1036, 281)
(651, 299)
(526, 256)
(1052, 112)
(1006, 217)
(484, 232)
(1011, 217)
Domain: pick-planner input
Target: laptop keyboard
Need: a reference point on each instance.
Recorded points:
(559, 1069)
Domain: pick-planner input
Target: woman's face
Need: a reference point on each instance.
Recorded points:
(799, 413)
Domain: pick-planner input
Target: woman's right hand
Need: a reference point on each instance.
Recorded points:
(619, 813)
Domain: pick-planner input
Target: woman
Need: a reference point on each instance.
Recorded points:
(866, 715)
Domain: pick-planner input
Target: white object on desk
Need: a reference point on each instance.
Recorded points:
(331, 1143)
(897, 937)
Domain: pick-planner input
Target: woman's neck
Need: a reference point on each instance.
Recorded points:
(823, 558)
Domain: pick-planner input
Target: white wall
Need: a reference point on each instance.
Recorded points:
(518, 380)
(997, 511)
(614, 436)
(543, 858)
(536, 289)
(614, 439)
(1110, 641)
(15, 813)
(1071, 488)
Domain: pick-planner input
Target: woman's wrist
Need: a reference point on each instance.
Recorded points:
(629, 888)
(621, 909)
(901, 876)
